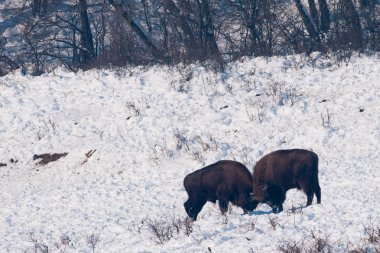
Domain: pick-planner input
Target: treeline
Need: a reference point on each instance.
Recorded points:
(39, 35)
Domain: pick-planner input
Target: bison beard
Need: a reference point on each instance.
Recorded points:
(281, 170)
(225, 181)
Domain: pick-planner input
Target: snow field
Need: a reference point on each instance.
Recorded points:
(150, 127)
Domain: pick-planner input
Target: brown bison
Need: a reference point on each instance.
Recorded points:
(223, 181)
(277, 172)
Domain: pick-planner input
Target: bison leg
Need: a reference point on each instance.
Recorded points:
(276, 208)
(280, 208)
(308, 190)
(193, 208)
(317, 190)
(222, 196)
(223, 204)
(318, 194)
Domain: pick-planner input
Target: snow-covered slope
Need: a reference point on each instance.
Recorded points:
(146, 128)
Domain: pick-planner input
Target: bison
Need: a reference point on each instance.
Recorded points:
(223, 181)
(277, 172)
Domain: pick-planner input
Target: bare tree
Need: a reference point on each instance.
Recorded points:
(325, 15)
(39, 7)
(310, 27)
(356, 34)
(87, 51)
(87, 33)
(370, 10)
(314, 14)
(182, 19)
(207, 31)
(148, 42)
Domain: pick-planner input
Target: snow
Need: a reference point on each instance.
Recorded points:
(149, 127)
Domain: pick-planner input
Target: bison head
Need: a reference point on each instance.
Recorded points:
(251, 204)
(270, 195)
(261, 195)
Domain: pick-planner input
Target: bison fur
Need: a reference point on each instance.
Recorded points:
(225, 181)
(277, 172)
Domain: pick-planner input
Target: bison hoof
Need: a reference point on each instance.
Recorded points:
(277, 209)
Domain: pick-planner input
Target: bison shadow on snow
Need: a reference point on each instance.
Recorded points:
(225, 181)
(277, 172)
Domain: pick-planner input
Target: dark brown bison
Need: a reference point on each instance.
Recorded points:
(277, 172)
(223, 181)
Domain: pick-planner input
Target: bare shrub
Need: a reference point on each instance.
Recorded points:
(137, 226)
(188, 226)
(326, 119)
(228, 87)
(64, 242)
(198, 156)
(40, 135)
(182, 84)
(153, 156)
(320, 244)
(38, 247)
(281, 94)
(52, 125)
(213, 143)
(291, 247)
(294, 211)
(244, 155)
(205, 146)
(275, 89)
(290, 94)
(195, 146)
(250, 225)
(224, 219)
(372, 234)
(246, 80)
(182, 141)
(255, 110)
(132, 108)
(161, 231)
(177, 224)
(93, 240)
(159, 150)
(251, 116)
(273, 221)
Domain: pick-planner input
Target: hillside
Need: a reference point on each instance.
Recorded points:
(131, 135)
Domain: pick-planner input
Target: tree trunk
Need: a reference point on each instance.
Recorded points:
(87, 44)
(39, 7)
(251, 22)
(314, 14)
(191, 44)
(315, 40)
(356, 37)
(158, 54)
(325, 15)
(211, 46)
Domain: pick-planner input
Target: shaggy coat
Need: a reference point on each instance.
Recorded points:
(277, 172)
(225, 181)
